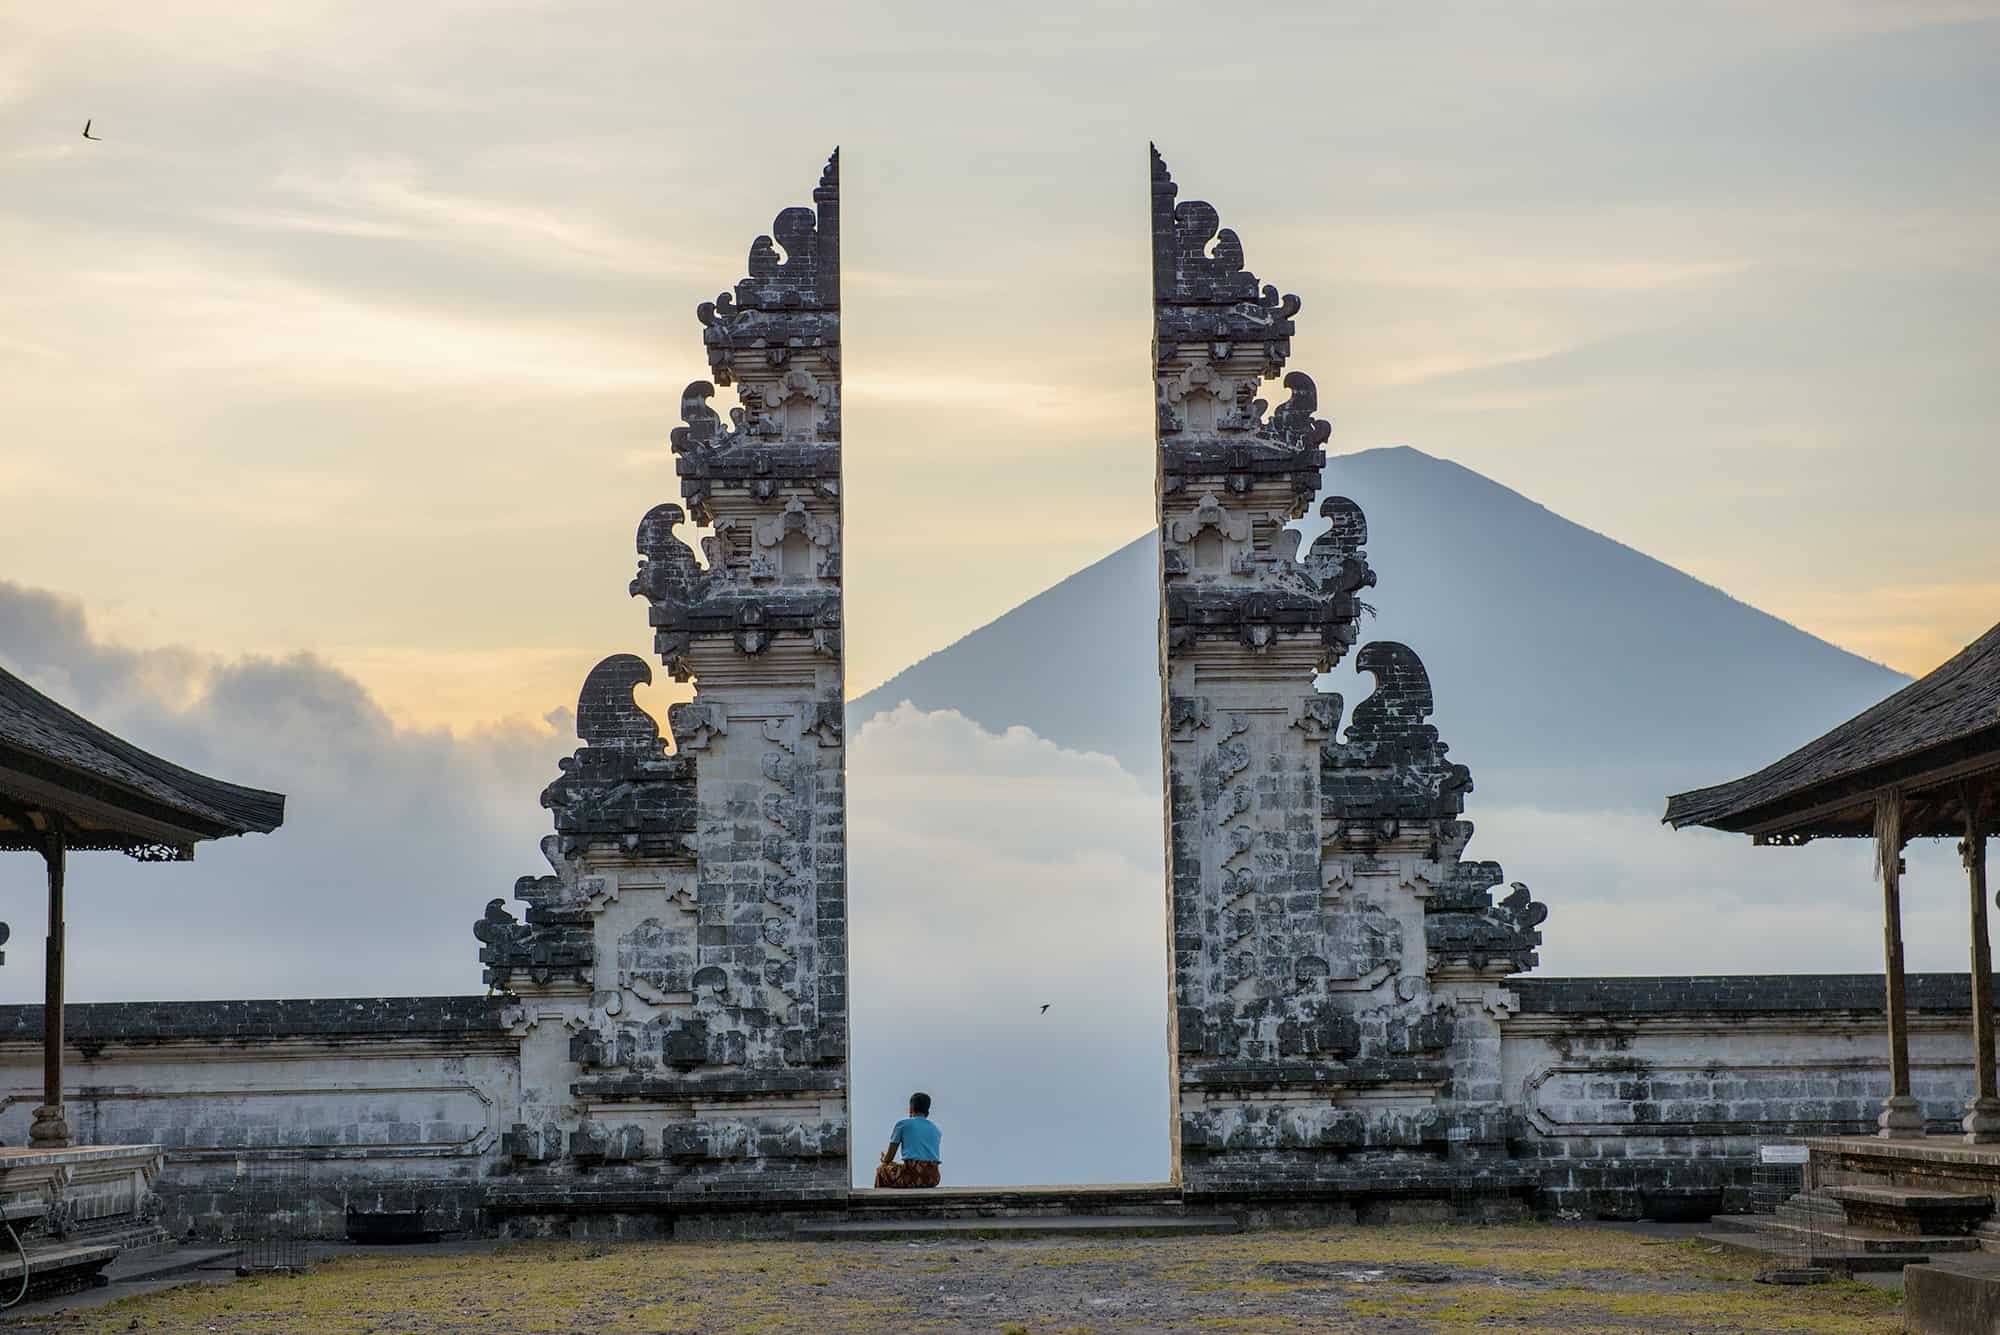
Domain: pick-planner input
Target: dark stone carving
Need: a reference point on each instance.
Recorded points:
(1338, 558)
(1254, 615)
(1392, 765)
(1294, 422)
(751, 453)
(1207, 311)
(667, 566)
(1462, 924)
(789, 300)
(549, 945)
(1202, 292)
(526, 1144)
(621, 786)
(1298, 857)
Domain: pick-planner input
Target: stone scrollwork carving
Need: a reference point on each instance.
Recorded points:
(1294, 422)
(1463, 925)
(1392, 763)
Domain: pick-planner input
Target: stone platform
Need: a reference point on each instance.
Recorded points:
(1944, 1164)
(74, 1210)
(1880, 1204)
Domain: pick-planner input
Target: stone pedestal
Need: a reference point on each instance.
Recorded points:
(51, 1129)
(1902, 1118)
(1982, 1121)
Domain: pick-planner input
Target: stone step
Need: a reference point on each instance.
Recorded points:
(1920, 1211)
(1910, 1198)
(1839, 1238)
(1786, 1254)
(1020, 1226)
(1805, 1206)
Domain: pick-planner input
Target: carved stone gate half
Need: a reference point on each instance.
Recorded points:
(680, 982)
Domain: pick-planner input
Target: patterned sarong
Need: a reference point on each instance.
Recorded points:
(908, 1174)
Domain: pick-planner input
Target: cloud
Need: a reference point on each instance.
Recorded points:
(990, 873)
(1628, 895)
(393, 841)
(393, 200)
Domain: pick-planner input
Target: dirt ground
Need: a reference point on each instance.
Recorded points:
(1387, 1281)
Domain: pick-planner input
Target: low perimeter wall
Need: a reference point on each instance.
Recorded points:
(1646, 1096)
(1635, 1096)
(305, 1108)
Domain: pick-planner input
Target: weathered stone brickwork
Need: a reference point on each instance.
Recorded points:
(1338, 971)
(1643, 1094)
(680, 981)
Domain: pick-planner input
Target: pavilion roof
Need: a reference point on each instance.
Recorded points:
(108, 792)
(1924, 739)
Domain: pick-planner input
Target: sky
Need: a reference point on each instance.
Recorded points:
(335, 379)
(362, 330)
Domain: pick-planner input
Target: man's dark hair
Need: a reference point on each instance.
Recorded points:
(920, 1104)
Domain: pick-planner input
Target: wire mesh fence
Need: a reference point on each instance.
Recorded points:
(1779, 1175)
(1808, 1242)
(272, 1199)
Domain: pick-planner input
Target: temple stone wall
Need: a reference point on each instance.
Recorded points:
(1622, 1097)
(1637, 1091)
(300, 1109)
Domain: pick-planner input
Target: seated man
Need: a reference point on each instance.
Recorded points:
(918, 1137)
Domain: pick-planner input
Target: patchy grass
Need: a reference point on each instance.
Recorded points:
(1386, 1281)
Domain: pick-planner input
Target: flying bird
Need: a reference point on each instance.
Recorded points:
(1045, 1008)
(88, 135)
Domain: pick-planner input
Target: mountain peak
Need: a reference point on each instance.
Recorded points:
(1552, 648)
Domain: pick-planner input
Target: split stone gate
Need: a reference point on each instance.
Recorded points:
(678, 984)
(665, 1046)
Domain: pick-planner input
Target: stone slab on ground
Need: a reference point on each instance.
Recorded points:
(1853, 1246)
(1953, 1296)
(1778, 1253)
(1020, 1226)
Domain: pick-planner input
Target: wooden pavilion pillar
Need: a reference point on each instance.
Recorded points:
(1982, 1112)
(51, 1129)
(1902, 1118)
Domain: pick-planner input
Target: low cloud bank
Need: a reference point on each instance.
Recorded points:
(393, 841)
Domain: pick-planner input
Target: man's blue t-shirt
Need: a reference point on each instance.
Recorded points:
(919, 1137)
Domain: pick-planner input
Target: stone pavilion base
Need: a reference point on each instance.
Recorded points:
(74, 1210)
